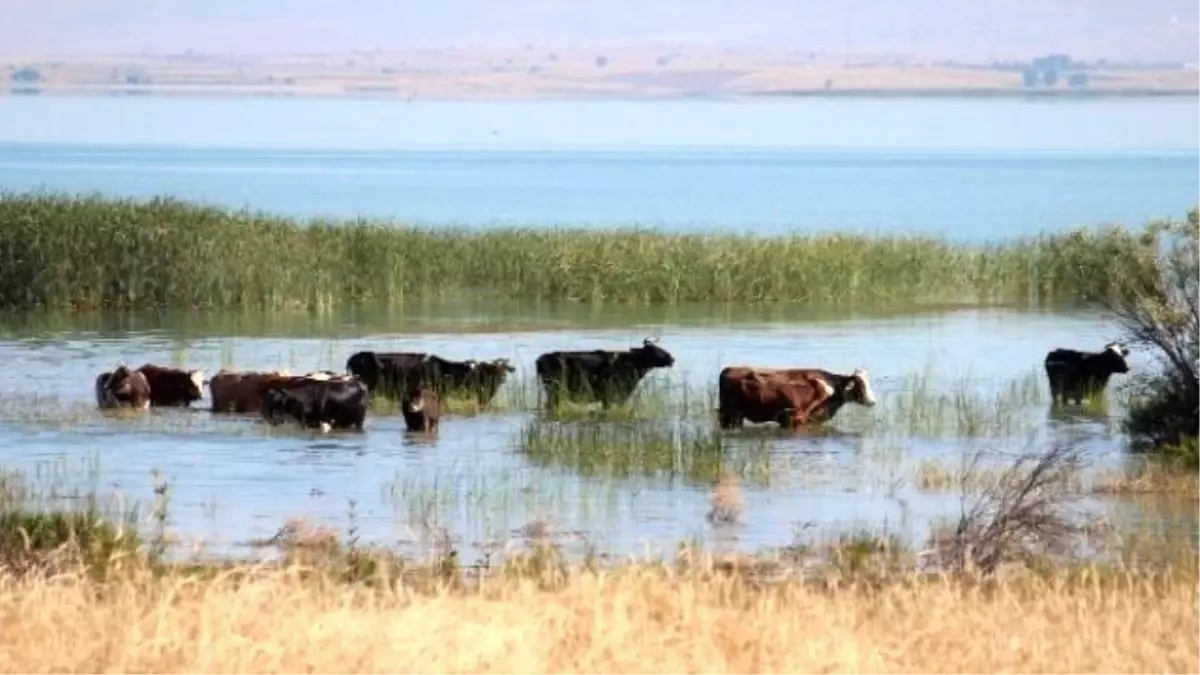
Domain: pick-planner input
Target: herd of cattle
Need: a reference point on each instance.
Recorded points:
(327, 400)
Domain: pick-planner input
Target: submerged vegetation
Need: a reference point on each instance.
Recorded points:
(86, 252)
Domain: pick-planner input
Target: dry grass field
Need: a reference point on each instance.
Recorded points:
(635, 619)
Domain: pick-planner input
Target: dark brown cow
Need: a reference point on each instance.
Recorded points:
(173, 387)
(799, 395)
(122, 387)
(421, 410)
(241, 392)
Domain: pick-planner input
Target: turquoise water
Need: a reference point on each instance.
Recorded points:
(964, 169)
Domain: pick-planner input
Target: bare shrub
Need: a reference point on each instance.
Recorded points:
(1019, 514)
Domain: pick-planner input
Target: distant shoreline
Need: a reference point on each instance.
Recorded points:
(236, 91)
(530, 74)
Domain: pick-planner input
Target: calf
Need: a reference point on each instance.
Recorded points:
(395, 373)
(122, 387)
(821, 392)
(598, 375)
(421, 410)
(323, 404)
(173, 387)
(1076, 375)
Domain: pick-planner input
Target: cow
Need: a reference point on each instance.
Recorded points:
(761, 398)
(421, 410)
(799, 395)
(609, 377)
(241, 392)
(393, 374)
(173, 387)
(325, 404)
(1076, 375)
(122, 387)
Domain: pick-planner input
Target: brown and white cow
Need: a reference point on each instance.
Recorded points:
(121, 388)
(788, 396)
(173, 387)
(421, 410)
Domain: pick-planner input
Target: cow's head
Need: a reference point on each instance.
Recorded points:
(417, 400)
(650, 355)
(1113, 357)
(120, 381)
(857, 389)
(496, 368)
(366, 366)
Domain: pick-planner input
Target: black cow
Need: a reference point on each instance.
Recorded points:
(395, 373)
(1075, 375)
(323, 404)
(599, 375)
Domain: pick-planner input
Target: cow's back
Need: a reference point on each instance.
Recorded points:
(1065, 357)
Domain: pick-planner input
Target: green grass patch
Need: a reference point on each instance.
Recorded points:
(60, 251)
(698, 454)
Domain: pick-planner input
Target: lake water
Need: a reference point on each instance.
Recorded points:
(234, 479)
(949, 382)
(966, 169)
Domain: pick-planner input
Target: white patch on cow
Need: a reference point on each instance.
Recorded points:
(825, 387)
(1118, 349)
(417, 405)
(197, 379)
(319, 376)
(325, 427)
(868, 395)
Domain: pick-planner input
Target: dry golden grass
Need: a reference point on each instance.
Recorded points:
(1149, 478)
(631, 620)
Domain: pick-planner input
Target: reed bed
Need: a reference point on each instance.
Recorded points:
(61, 251)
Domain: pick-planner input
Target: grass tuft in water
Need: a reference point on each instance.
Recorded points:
(699, 455)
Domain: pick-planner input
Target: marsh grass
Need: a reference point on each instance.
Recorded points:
(1150, 476)
(670, 450)
(47, 525)
(75, 251)
(924, 405)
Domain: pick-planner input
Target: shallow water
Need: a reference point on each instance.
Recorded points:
(233, 479)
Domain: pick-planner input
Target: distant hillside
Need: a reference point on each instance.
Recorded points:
(976, 30)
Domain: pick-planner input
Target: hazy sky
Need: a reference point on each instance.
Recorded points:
(977, 29)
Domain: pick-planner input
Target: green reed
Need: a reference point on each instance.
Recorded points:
(60, 251)
(697, 454)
